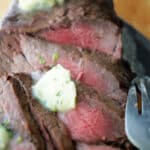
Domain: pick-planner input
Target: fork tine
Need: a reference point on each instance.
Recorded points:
(145, 88)
(132, 101)
(147, 83)
(137, 125)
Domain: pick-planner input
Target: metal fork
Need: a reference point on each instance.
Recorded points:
(137, 114)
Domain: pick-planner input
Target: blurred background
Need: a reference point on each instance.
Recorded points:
(135, 12)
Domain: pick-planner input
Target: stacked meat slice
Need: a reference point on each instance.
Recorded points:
(84, 36)
(17, 114)
(22, 112)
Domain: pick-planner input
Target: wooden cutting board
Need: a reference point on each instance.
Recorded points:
(4, 6)
(135, 12)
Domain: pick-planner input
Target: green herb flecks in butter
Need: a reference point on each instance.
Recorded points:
(19, 139)
(5, 137)
(6, 123)
(42, 60)
(55, 90)
(55, 57)
(32, 5)
(60, 2)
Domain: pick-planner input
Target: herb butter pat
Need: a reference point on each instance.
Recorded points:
(55, 90)
(32, 5)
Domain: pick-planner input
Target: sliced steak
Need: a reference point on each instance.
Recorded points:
(52, 128)
(86, 38)
(92, 68)
(88, 24)
(16, 112)
(95, 118)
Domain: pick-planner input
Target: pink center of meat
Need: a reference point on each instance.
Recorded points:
(91, 122)
(87, 36)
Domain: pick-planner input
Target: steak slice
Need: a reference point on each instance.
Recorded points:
(96, 118)
(63, 15)
(16, 112)
(88, 24)
(53, 129)
(91, 68)
(85, 34)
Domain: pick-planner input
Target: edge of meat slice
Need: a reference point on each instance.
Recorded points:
(16, 111)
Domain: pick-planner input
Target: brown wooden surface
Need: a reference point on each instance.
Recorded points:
(136, 12)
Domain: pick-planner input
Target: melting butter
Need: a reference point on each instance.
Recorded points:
(55, 90)
(33, 5)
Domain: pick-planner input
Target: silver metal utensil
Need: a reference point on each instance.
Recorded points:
(137, 115)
